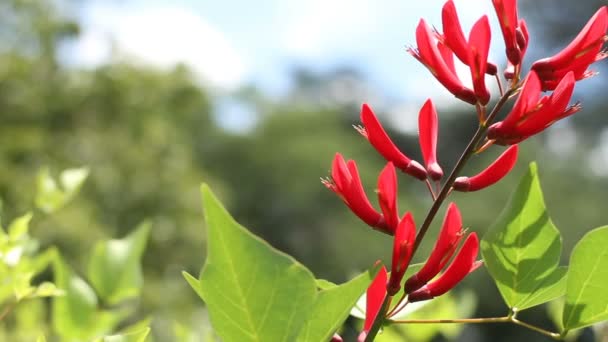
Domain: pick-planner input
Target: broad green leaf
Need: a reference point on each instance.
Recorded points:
(50, 196)
(253, 292)
(332, 308)
(135, 336)
(587, 284)
(115, 266)
(522, 249)
(323, 284)
(75, 314)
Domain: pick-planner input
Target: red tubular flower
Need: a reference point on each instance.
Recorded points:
(522, 37)
(449, 237)
(377, 136)
(336, 338)
(403, 245)
(375, 295)
(531, 114)
(479, 47)
(428, 53)
(512, 31)
(463, 264)
(492, 174)
(585, 49)
(454, 38)
(346, 183)
(387, 195)
(428, 127)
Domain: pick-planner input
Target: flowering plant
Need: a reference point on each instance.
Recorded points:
(255, 293)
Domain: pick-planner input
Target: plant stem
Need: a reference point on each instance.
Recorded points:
(505, 319)
(443, 194)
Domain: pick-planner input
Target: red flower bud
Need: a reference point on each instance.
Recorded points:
(387, 195)
(479, 47)
(336, 338)
(375, 295)
(584, 50)
(449, 237)
(377, 136)
(515, 46)
(403, 245)
(428, 127)
(346, 183)
(492, 174)
(441, 66)
(463, 264)
(531, 114)
(454, 38)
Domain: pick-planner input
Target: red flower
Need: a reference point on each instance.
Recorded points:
(403, 245)
(585, 49)
(463, 264)
(375, 295)
(454, 38)
(514, 32)
(387, 195)
(377, 136)
(449, 237)
(346, 183)
(440, 61)
(479, 47)
(428, 127)
(531, 114)
(492, 174)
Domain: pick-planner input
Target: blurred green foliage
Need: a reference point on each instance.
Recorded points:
(149, 137)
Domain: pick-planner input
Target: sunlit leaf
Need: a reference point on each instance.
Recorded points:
(587, 284)
(253, 292)
(332, 307)
(134, 336)
(75, 314)
(522, 249)
(115, 266)
(50, 196)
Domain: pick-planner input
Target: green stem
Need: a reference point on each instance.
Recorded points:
(506, 319)
(445, 190)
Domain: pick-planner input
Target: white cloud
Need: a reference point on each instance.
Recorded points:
(161, 36)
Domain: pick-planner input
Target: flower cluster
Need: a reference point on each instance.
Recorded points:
(533, 111)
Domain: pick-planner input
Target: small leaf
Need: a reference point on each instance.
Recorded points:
(49, 196)
(76, 315)
(587, 281)
(522, 249)
(19, 227)
(135, 336)
(332, 308)
(115, 266)
(253, 292)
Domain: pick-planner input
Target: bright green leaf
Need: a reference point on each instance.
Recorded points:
(135, 336)
(76, 315)
(41, 338)
(587, 284)
(51, 197)
(332, 307)
(19, 227)
(253, 292)
(323, 284)
(522, 249)
(115, 266)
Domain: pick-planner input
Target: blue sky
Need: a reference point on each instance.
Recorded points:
(233, 42)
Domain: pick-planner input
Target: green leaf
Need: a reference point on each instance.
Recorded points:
(333, 306)
(253, 292)
(115, 266)
(587, 284)
(522, 249)
(50, 196)
(75, 314)
(135, 336)
(19, 227)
